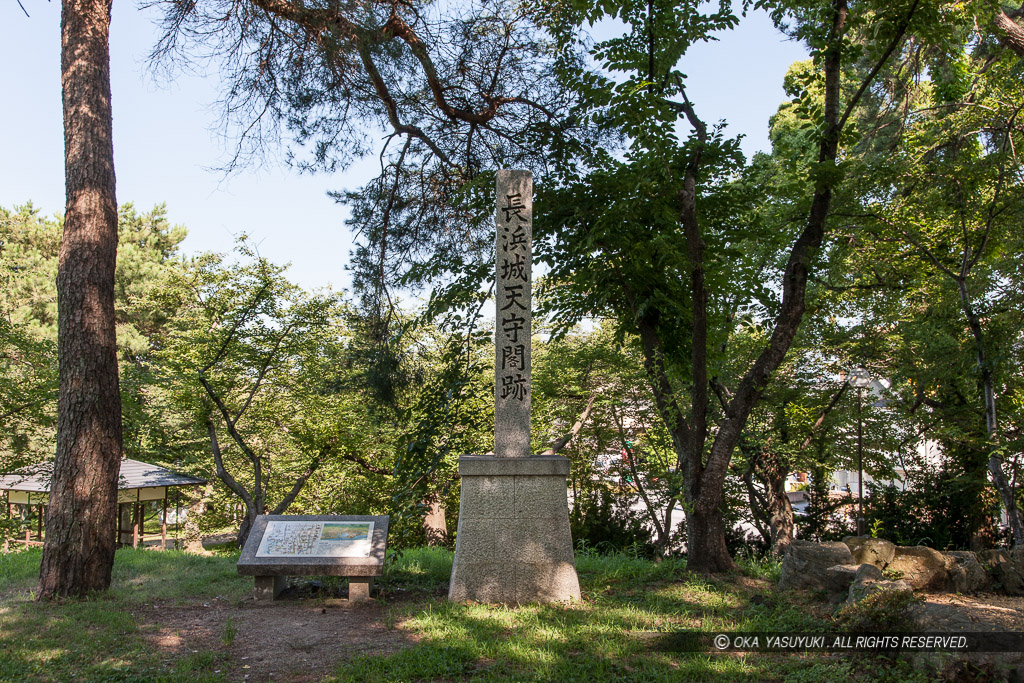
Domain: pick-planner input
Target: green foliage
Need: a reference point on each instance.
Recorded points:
(926, 268)
(147, 263)
(249, 356)
(595, 380)
(765, 566)
(450, 414)
(825, 519)
(605, 522)
(883, 611)
(920, 515)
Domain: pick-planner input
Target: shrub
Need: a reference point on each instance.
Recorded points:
(881, 611)
(920, 514)
(607, 523)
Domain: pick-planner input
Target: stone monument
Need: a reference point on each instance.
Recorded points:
(513, 543)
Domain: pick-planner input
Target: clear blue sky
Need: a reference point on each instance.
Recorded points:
(167, 145)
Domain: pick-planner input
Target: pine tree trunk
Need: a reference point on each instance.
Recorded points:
(705, 542)
(82, 520)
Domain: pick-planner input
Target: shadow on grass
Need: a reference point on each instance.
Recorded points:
(547, 643)
(97, 638)
(628, 604)
(91, 639)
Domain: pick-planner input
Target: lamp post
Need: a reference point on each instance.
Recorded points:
(859, 379)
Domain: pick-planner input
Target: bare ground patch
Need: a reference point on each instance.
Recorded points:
(289, 640)
(982, 612)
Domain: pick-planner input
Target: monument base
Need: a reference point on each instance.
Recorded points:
(513, 543)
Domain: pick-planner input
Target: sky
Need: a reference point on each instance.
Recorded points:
(169, 146)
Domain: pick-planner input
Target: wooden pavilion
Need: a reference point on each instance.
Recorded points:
(139, 485)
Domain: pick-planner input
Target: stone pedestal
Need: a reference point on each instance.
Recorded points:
(359, 588)
(267, 588)
(513, 543)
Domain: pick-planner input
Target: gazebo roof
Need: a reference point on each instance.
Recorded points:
(133, 475)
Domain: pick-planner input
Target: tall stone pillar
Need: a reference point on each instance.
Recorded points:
(513, 543)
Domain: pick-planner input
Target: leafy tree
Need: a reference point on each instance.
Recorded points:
(28, 344)
(653, 239)
(590, 394)
(940, 192)
(252, 357)
(148, 262)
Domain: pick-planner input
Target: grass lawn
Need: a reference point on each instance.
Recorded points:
(619, 631)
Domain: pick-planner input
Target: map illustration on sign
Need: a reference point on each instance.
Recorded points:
(316, 539)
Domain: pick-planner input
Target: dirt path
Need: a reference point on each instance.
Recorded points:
(288, 640)
(987, 612)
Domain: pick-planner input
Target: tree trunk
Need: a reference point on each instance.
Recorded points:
(247, 523)
(1011, 33)
(995, 460)
(82, 522)
(192, 539)
(780, 511)
(705, 542)
(772, 512)
(434, 523)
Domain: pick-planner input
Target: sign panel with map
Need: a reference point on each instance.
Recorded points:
(316, 539)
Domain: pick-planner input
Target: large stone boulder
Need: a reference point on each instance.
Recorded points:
(867, 550)
(839, 577)
(805, 564)
(966, 575)
(869, 581)
(920, 566)
(1006, 569)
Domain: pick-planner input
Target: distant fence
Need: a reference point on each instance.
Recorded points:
(27, 541)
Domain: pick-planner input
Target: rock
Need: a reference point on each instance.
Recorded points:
(839, 577)
(868, 572)
(863, 587)
(966, 574)
(867, 550)
(805, 564)
(1006, 569)
(920, 566)
(1017, 560)
(854, 542)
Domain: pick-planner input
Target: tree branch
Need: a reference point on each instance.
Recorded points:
(869, 79)
(1012, 33)
(223, 474)
(824, 413)
(561, 443)
(299, 483)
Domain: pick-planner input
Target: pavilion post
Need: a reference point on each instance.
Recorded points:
(140, 519)
(135, 526)
(163, 527)
(177, 520)
(39, 523)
